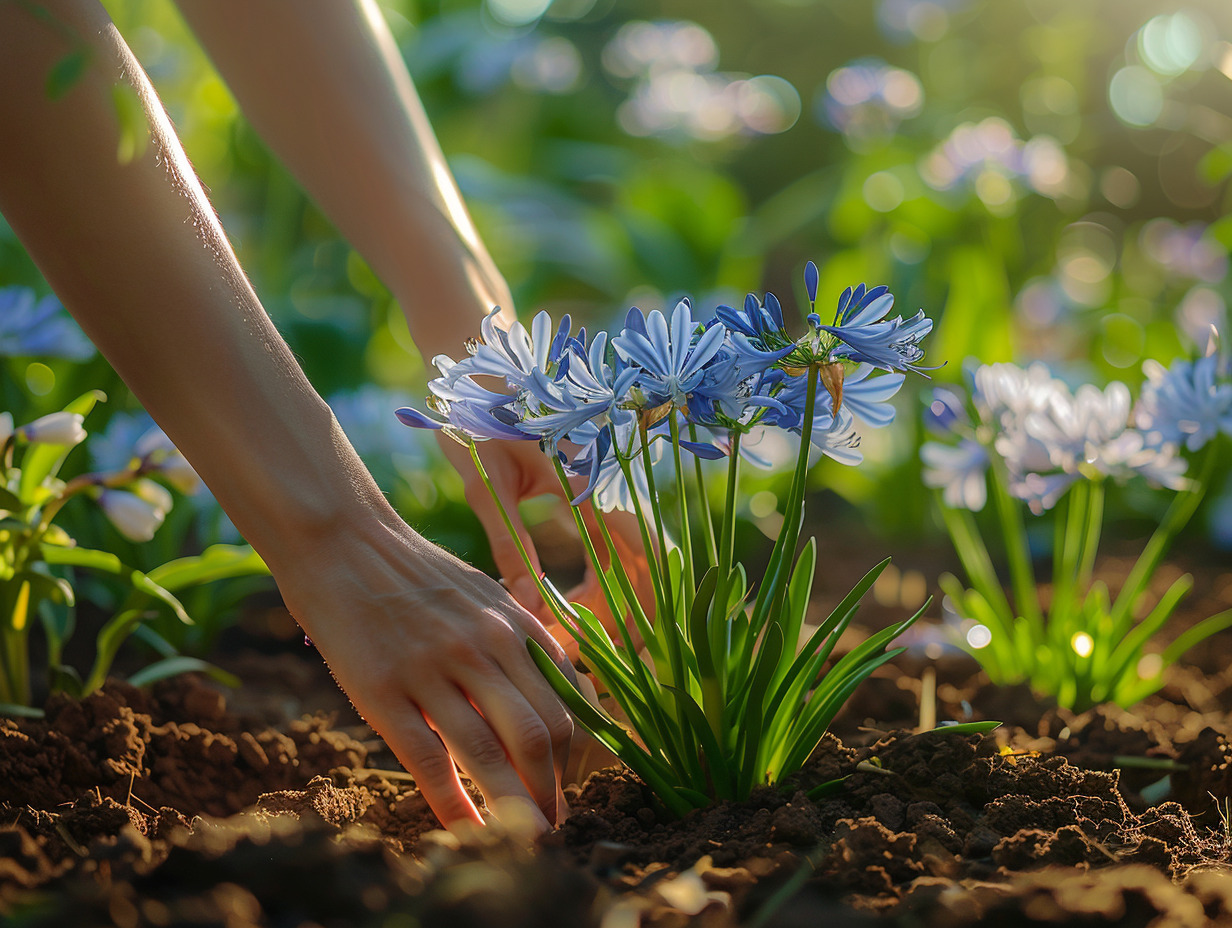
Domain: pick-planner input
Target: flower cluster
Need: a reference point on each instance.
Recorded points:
(600, 404)
(134, 503)
(1050, 437)
(1026, 435)
(868, 98)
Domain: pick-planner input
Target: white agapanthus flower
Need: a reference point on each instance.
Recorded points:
(135, 518)
(1048, 438)
(57, 428)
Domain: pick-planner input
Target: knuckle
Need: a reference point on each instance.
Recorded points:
(560, 728)
(535, 738)
(486, 751)
(432, 765)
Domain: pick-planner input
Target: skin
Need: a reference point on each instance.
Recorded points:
(430, 651)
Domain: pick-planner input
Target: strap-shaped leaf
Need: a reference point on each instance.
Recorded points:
(716, 761)
(818, 715)
(174, 666)
(217, 562)
(749, 741)
(109, 563)
(791, 617)
(827, 789)
(699, 616)
(1130, 649)
(609, 733)
(10, 501)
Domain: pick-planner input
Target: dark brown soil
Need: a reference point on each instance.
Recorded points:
(276, 806)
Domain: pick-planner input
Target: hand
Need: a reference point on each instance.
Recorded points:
(433, 654)
(520, 471)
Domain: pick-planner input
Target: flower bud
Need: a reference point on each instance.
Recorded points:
(153, 493)
(133, 517)
(57, 428)
(6, 426)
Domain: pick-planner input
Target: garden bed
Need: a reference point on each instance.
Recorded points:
(274, 805)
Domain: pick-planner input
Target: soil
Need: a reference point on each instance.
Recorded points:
(275, 806)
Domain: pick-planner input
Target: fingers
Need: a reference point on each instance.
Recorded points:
(420, 750)
(507, 751)
(530, 722)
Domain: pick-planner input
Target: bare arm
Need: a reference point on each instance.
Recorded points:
(323, 83)
(422, 643)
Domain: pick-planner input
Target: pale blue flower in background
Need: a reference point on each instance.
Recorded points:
(960, 472)
(1189, 403)
(30, 327)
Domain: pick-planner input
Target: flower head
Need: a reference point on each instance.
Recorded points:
(56, 428)
(1189, 403)
(137, 519)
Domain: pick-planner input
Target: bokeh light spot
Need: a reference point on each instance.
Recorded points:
(1135, 96)
(40, 379)
(518, 12)
(1082, 643)
(979, 636)
(1170, 44)
(883, 191)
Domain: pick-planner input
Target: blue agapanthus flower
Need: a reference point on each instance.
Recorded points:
(672, 364)
(1189, 403)
(34, 328)
(868, 337)
(692, 381)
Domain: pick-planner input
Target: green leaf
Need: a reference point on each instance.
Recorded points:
(44, 586)
(43, 461)
(217, 562)
(21, 712)
(609, 733)
(749, 742)
(699, 632)
(109, 563)
(716, 761)
(10, 502)
(66, 72)
(173, 666)
(827, 789)
(113, 634)
(960, 728)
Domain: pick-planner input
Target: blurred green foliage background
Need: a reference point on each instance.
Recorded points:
(1047, 178)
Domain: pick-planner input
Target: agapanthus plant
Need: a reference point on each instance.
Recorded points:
(1023, 438)
(724, 698)
(37, 557)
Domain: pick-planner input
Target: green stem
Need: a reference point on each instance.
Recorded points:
(547, 597)
(790, 531)
(1018, 552)
(682, 510)
(1090, 542)
(726, 538)
(652, 561)
(1071, 533)
(704, 499)
(1183, 506)
(588, 543)
(657, 507)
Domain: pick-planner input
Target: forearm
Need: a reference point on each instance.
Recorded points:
(136, 254)
(323, 83)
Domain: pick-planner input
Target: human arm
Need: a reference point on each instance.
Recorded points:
(325, 86)
(422, 643)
